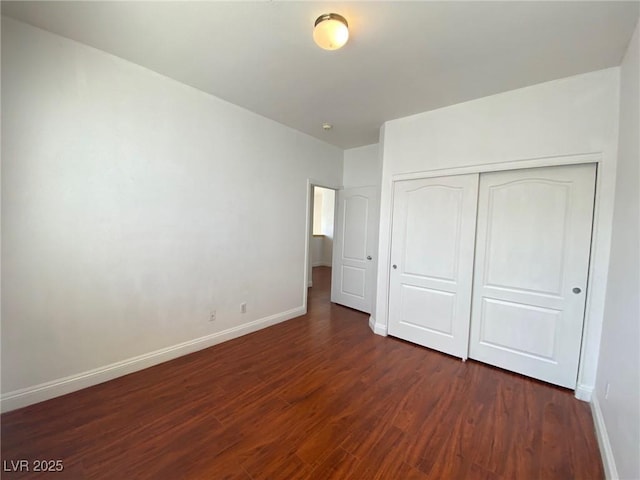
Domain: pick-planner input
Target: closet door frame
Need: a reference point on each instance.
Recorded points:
(594, 305)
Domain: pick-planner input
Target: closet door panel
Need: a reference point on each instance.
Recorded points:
(532, 257)
(432, 256)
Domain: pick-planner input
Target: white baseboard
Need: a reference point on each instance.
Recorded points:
(584, 392)
(45, 391)
(609, 463)
(321, 264)
(377, 328)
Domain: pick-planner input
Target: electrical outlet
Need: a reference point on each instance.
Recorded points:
(243, 307)
(212, 316)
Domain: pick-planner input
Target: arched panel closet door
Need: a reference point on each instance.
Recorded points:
(532, 260)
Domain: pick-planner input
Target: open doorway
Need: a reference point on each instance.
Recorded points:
(321, 237)
(344, 245)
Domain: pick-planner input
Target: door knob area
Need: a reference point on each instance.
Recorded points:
(576, 290)
(395, 266)
(368, 257)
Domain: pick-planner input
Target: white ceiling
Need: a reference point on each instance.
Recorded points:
(402, 57)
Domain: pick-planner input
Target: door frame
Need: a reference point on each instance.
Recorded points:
(309, 230)
(596, 282)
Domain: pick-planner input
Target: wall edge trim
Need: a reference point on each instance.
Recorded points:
(584, 392)
(377, 328)
(62, 386)
(606, 452)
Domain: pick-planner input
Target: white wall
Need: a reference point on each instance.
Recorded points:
(362, 166)
(132, 205)
(619, 364)
(317, 211)
(322, 240)
(317, 250)
(567, 117)
(328, 210)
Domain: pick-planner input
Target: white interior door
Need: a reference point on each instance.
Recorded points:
(532, 257)
(354, 265)
(432, 255)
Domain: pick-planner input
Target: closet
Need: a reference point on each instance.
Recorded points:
(493, 266)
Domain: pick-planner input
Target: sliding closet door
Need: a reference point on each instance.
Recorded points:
(532, 258)
(432, 261)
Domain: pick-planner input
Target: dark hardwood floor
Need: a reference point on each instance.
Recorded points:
(316, 397)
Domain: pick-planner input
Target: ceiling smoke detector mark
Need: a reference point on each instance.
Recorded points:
(327, 126)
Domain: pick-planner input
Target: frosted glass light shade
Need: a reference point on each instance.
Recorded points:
(331, 31)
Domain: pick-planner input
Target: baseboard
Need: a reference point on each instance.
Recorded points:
(45, 391)
(584, 392)
(377, 328)
(320, 264)
(609, 463)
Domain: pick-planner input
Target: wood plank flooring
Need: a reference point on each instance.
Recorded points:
(317, 397)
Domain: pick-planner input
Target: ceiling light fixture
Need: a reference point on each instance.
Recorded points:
(327, 126)
(331, 31)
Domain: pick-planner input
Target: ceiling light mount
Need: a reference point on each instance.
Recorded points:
(331, 31)
(327, 126)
